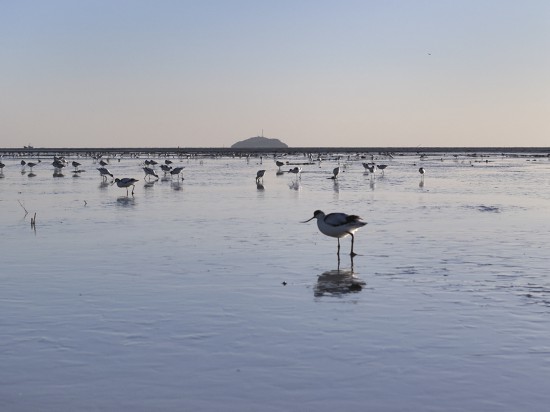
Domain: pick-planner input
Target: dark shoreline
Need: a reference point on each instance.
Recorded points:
(227, 151)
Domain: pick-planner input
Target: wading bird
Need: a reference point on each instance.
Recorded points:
(338, 225)
(149, 172)
(176, 171)
(104, 172)
(126, 182)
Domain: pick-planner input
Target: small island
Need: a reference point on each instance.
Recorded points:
(259, 142)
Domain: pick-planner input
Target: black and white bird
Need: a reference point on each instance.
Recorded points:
(260, 175)
(126, 182)
(338, 225)
(382, 168)
(176, 171)
(104, 172)
(150, 172)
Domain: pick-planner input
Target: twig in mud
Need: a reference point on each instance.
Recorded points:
(26, 212)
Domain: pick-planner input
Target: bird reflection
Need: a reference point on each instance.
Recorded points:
(176, 185)
(57, 173)
(259, 186)
(126, 201)
(104, 185)
(149, 183)
(337, 283)
(294, 185)
(31, 174)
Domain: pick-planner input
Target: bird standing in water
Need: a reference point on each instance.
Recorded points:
(338, 225)
(260, 175)
(126, 182)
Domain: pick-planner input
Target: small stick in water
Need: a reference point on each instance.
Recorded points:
(21, 204)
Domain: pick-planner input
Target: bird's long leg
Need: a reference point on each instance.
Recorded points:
(352, 253)
(133, 187)
(338, 252)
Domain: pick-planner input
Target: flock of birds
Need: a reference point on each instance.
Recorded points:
(59, 163)
(337, 225)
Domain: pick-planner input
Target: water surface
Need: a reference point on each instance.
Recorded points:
(208, 294)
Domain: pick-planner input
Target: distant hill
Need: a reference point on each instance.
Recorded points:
(259, 142)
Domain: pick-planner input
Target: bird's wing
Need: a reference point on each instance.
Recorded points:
(336, 219)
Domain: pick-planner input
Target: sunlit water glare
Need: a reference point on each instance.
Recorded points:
(208, 294)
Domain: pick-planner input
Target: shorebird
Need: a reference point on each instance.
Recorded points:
(126, 182)
(103, 163)
(58, 164)
(382, 168)
(104, 172)
(75, 165)
(176, 171)
(31, 164)
(369, 167)
(279, 164)
(297, 171)
(149, 172)
(260, 175)
(338, 225)
(2, 165)
(165, 168)
(335, 172)
(421, 171)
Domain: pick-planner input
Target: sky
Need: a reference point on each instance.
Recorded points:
(312, 73)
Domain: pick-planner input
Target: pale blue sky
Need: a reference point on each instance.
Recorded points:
(313, 73)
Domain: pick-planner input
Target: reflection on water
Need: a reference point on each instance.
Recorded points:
(176, 185)
(149, 184)
(104, 185)
(260, 186)
(294, 185)
(126, 201)
(338, 282)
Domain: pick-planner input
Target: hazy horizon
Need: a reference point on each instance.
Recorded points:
(309, 73)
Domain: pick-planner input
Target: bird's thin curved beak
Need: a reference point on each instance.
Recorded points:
(305, 221)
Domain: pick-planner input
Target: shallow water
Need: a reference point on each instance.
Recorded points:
(173, 299)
